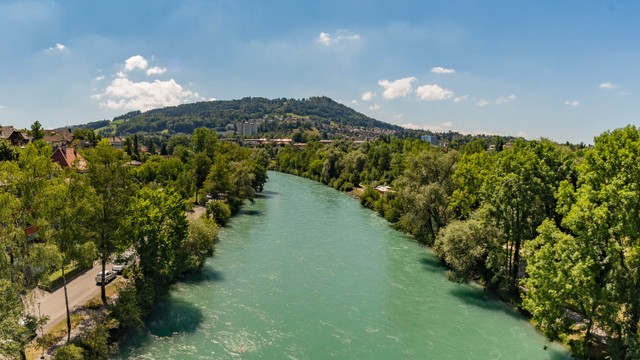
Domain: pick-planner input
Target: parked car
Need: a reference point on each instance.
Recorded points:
(108, 276)
(122, 262)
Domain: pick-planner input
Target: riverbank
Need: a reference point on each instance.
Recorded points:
(306, 272)
(509, 299)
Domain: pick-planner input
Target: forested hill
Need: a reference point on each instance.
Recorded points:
(219, 115)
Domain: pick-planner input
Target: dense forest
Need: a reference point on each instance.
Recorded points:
(57, 222)
(554, 229)
(217, 115)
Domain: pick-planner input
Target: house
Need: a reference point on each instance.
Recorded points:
(66, 157)
(58, 138)
(116, 141)
(14, 136)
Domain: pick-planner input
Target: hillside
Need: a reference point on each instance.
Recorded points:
(321, 112)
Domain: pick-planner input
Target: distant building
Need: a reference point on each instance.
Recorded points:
(14, 136)
(247, 128)
(69, 157)
(58, 138)
(430, 139)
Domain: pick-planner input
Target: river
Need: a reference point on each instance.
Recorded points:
(307, 273)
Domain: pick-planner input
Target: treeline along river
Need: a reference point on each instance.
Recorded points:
(307, 273)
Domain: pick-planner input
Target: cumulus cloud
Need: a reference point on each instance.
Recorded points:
(482, 103)
(442, 127)
(433, 92)
(375, 107)
(506, 99)
(353, 102)
(607, 86)
(398, 88)
(126, 94)
(156, 71)
(99, 77)
(327, 39)
(441, 70)
(368, 96)
(573, 103)
(523, 134)
(136, 62)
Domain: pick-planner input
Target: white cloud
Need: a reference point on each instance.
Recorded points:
(441, 70)
(212, 99)
(2, 107)
(461, 98)
(607, 86)
(397, 88)
(341, 35)
(353, 102)
(398, 116)
(99, 77)
(375, 107)
(136, 62)
(324, 39)
(368, 96)
(433, 92)
(482, 103)
(506, 99)
(156, 71)
(58, 47)
(573, 103)
(522, 134)
(442, 127)
(125, 94)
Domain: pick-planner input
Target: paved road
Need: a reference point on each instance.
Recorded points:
(79, 291)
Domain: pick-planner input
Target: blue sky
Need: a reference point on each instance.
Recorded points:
(564, 70)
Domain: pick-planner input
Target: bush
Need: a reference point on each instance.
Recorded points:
(219, 211)
(198, 245)
(69, 352)
(127, 309)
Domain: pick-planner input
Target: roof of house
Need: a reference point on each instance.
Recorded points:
(69, 157)
(63, 136)
(6, 131)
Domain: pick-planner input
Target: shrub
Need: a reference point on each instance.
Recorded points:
(69, 352)
(219, 211)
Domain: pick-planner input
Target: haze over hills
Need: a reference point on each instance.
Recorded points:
(274, 115)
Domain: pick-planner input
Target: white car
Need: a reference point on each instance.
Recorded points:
(108, 276)
(122, 262)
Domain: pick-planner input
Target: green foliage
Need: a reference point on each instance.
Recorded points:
(69, 352)
(198, 245)
(126, 310)
(219, 211)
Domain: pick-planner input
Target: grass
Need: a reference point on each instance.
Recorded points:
(57, 333)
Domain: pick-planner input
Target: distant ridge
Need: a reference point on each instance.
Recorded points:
(220, 115)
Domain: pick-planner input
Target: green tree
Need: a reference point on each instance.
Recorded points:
(158, 227)
(112, 183)
(69, 209)
(37, 131)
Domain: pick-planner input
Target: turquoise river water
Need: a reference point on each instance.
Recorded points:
(307, 273)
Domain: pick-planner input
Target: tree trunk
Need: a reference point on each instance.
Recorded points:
(103, 291)
(66, 303)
